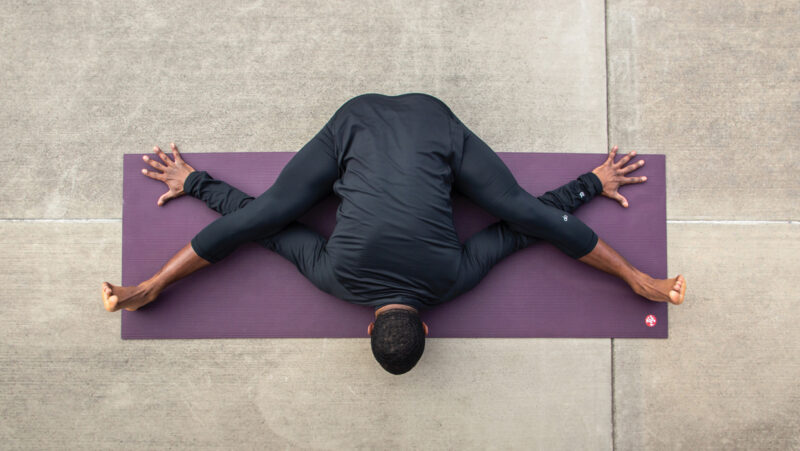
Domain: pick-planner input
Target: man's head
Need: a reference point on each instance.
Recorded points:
(397, 337)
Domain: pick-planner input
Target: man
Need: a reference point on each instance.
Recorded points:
(394, 162)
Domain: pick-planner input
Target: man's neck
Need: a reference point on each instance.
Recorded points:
(394, 306)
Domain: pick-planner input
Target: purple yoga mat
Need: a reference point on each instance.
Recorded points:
(536, 292)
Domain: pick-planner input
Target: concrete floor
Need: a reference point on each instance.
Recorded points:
(713, 85)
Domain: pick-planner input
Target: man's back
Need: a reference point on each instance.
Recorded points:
(394, 162)
(394, 236)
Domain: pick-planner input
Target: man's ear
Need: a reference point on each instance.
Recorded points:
(370, 328)
(425, 326)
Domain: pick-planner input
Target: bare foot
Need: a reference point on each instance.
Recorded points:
(130, 298)
(662, 290)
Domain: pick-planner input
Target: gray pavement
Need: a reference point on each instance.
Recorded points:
(716, 87)
(713, 85)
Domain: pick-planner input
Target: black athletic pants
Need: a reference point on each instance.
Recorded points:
(310, 174)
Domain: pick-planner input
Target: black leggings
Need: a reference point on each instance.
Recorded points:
(309, 176)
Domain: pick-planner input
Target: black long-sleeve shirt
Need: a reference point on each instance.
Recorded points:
(307, 249)
(394, 240)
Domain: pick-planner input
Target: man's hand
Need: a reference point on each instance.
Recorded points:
(173, 174)
(612, 175)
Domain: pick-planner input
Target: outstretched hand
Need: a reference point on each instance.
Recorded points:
(612, 175)
(173, 173)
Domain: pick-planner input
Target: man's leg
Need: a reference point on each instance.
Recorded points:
(605, 258)
(304, 181)
(487, 181)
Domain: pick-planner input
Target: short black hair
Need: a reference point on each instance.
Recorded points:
(398, 340)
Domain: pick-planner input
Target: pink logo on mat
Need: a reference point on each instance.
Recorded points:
(650, 320)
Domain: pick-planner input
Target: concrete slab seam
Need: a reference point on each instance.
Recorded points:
(608, 146)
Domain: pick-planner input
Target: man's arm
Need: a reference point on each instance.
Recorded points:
(572, 195)
(489, 246)
(217, 194)
(296, 242)
(497, 241)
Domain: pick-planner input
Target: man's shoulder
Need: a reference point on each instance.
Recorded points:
(374, 100)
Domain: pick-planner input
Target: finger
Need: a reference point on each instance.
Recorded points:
(612, 154)
(154, 163)
(164, 198)
(632, 167)
(162, 155)
(629, 180)
(175, 153)
(154, 175)
(624, 160)
(621, 199)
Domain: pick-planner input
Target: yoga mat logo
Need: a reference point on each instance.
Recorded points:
(650, 320)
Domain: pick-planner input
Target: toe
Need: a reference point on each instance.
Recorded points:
(678, 293)
(107, 305)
